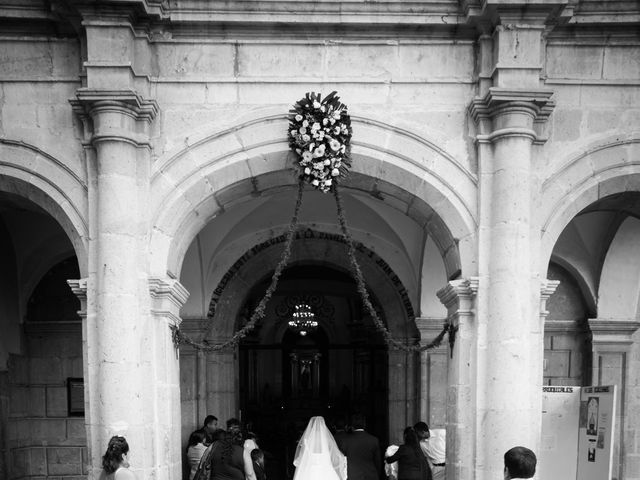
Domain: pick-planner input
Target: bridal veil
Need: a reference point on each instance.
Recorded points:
(318, 456)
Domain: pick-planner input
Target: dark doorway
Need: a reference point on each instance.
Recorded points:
(338, 368)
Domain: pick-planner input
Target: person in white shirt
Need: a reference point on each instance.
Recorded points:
(519, 462)
(433, 444)
(195, 449)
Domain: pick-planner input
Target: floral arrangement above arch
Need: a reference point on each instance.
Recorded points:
(320, 136)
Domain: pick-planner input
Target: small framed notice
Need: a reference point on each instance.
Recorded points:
(75, 397)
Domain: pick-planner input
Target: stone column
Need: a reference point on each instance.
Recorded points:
(433, 374)
(510, 334)
(612, 360)
(459, 296)
(130, 372)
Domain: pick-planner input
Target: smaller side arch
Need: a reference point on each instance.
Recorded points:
(29, 173)
(600, 171)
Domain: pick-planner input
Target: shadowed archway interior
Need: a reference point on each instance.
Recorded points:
(334, 370)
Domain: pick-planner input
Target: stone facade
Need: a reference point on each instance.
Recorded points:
(496, 143)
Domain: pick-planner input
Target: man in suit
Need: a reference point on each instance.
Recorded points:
(364, 459)
(519, 462)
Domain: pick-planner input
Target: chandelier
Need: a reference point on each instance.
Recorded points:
(303, 319)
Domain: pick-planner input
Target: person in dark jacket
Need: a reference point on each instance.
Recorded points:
(412, 464)
(364, 458)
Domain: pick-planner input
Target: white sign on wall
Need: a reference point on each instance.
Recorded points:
(560, 422)
(595, 434)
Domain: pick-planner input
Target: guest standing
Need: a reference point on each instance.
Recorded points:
(195, 450)
(364, 459)
(412, 463)
(433, 444)
(115, 461)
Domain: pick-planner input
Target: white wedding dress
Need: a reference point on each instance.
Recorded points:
(317, 456)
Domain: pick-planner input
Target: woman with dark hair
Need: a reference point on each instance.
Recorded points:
(195, 449)
(115, 461)
(227, 457)
(412, 464)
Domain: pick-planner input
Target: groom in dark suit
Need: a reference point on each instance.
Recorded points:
(364, 458)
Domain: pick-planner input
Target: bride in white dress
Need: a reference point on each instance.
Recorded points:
(317, 456)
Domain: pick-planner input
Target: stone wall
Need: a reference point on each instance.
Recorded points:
(44, 441)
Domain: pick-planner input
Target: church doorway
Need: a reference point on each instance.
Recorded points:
(316, 352)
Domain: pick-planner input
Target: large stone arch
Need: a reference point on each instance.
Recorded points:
(194, 184)
(259, 262)
(608, 167)
(30, 173)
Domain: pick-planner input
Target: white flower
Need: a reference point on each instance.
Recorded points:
(336, 114)
(302, 130)
(320, 135)
(334, 145)
(336, 130)
(316, 104)
(327, 162)
(293, 133)
(325, 120)
(322, 109)
(335, 172)
(337, 164)
(327, 182)
(320, 151)
(315, 183)
(306, 138)
(298, 118)
(307, 171)
(305, 123)
(332, 121)
(318, 165)
(315, 126)
(307, 156)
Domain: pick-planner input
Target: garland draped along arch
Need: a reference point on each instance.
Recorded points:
(320, 136)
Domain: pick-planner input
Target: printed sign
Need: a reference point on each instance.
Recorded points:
(595, 434)
(560, 421)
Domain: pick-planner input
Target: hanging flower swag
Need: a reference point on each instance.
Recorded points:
(320, 136)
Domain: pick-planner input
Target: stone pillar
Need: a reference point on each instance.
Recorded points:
(612, 342)
(459, 296)
(432, 382)
(222, 382)
(510, 334)
(130, 373)
(403, 392)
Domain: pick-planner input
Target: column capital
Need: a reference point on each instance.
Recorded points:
(547, 288)
(167, 297)
(114, 115)
(613, 331)
(455, 290)
(508, 112)
(429, 328)
(79, 288)
(492, 12)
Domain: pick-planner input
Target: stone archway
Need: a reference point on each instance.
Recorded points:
(311, 247)
(193, 185)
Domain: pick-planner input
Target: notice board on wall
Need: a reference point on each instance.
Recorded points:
(595, 434)
(559, 443)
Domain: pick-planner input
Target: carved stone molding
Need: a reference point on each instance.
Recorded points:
(612, 331)
(547, 288)
(167, 297)
(457, 290)
(79, 288)
(504, 112)
(114, 115)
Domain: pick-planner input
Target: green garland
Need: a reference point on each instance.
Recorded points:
(180, 337)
